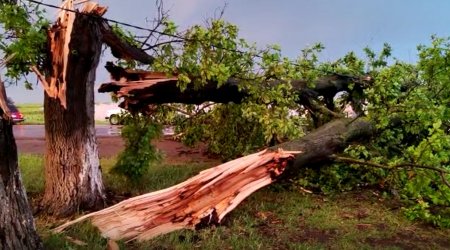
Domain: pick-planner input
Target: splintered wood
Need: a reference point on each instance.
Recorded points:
(200, 201)
(59, 38)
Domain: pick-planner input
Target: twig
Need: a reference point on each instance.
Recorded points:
(7, 59)
(442, 172)
(177, 109)
(159, 44)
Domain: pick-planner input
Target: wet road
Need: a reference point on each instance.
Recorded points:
(38, 131)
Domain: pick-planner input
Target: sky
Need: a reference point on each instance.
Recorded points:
(342, 26)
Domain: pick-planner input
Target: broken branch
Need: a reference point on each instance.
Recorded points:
(42, 80)
(201, 200)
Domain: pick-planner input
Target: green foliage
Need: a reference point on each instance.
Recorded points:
(415, 98)
(139, 153)
(214, 54)
(232, 130)
(237, 135)
(408, 103)
(24, 38)
(127, 37)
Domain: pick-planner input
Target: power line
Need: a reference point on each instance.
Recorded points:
(131, 25)
(154, 31)
(105, 19)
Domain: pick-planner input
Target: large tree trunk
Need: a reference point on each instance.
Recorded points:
(72, 171)
(17, 229)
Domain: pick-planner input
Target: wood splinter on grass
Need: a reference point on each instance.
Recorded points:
(200, 201)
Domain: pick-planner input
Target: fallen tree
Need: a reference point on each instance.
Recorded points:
(206, 198)
(406, 140)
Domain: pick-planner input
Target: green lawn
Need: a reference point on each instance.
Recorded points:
(34, 114)
(272, 218)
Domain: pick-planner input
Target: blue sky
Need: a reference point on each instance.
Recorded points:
(341, 25)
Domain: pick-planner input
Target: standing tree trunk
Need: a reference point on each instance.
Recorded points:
(72, 170)
(17, 229)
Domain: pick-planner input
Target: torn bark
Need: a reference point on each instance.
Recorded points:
(6, 114)
(207, 197)
(58, 41)
(59, 50)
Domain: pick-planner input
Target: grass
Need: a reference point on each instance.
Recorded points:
(272, 218)
(33, 113)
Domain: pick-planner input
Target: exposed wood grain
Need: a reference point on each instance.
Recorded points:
(202, 200)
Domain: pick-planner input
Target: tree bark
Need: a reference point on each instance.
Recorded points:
(319, 145)
(72, 169)
(121, 49)
(17, 229)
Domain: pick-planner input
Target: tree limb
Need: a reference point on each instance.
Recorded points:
(138, 94)
(121, 49)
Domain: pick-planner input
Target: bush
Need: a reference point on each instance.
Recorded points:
(139, 153)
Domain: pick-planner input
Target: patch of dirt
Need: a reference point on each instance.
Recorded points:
(314, 235)
(173, 151)
(272, 227)
(409, 240)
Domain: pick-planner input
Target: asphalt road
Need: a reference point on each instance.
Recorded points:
(38, 131)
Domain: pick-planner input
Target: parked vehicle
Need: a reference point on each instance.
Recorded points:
(15, 113)
(114, 116)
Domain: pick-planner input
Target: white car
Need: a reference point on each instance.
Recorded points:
(114, 116)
